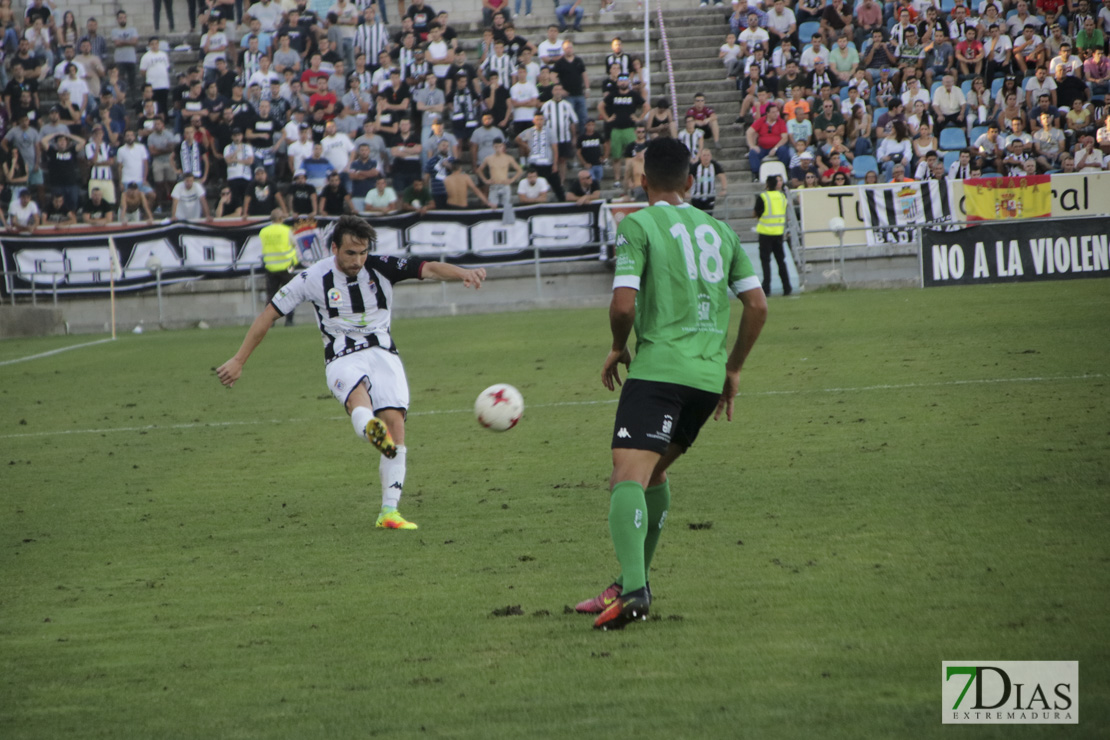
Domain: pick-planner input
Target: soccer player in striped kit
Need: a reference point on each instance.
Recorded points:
(352, 294)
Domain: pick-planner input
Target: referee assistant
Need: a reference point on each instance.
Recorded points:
(770, 209)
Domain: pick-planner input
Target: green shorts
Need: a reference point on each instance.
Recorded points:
(619, 139)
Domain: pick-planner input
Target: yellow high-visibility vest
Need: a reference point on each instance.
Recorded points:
(773, 220)
(278, 254)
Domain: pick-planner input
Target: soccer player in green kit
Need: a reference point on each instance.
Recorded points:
(675, 266)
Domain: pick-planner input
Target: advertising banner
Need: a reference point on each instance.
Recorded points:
(1086, 194)
(1018, 251)
(80, 260)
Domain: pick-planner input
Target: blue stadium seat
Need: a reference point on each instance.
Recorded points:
(950, 158)
(806, 31)
(946, 6)
(966, 86)
(976, 132)
(991, 174)
(952, 139)
(996, 85)
(934, 86)
(863, 164)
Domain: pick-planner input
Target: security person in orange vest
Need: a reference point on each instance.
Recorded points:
(279, 256)
(770, 209)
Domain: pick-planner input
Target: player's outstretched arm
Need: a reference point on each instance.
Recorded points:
(444, 271)
(622, 316)
(230, 371)
(751, 324)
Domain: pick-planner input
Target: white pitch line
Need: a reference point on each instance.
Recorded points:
(55, 351)
(435, 412)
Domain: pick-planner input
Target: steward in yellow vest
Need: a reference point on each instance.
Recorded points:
(770, 209)
(279, 255)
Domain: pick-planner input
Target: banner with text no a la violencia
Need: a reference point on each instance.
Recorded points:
(991, 199)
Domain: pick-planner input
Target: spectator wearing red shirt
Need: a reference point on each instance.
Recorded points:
(1051, 10)
(969, 53)
(768, 137)
(834, 167)
(323, 95)
(704, 118)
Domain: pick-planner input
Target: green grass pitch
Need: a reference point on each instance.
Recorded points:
(913, 476)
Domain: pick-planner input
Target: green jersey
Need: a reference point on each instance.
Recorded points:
(682, 262)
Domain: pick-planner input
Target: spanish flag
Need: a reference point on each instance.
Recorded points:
(997, 198)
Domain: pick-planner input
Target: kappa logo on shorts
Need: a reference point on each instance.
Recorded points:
(623, 434)
(335, 298)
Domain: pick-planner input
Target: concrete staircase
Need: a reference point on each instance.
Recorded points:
(694, 36)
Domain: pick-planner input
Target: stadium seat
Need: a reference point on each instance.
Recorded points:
(996, 85)
(991, 174)
(934, 86)
(863, 164)
(952, 139)
(950, 158)
(879, 112)
(966, 86)
(806, 31)
(1011, 13)
(946, 6)
(976, 132)
(772, 166)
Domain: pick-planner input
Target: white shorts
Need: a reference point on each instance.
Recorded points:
(379, 370)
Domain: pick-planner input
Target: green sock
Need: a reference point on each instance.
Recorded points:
(658, 500)
(628, 527)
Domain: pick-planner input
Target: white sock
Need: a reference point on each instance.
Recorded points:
(393, 478)
(360, 417)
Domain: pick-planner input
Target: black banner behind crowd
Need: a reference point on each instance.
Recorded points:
(79, 261)
(1016, 251)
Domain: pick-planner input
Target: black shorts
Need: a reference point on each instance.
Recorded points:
(704, 204)
(566, 150)
(652, 415)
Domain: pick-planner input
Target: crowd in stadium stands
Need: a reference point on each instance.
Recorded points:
(315, 108)
(921, 89)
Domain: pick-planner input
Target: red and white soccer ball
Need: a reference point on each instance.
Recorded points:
(499, 407)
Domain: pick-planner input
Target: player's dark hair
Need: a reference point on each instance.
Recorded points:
(357, 228)
(667, 165)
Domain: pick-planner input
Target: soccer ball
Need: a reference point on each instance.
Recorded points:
(499, 407)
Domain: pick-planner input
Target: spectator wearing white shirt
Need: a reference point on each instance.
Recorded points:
(814, 52)
(533, 188)
(781, 23)
(1071, 64)
(913, 93)
(754, 36)
(188, 200)
(949, 103)
(550, 49)
(155, 68)
(134, 161)
(339, 150)
(526, 99)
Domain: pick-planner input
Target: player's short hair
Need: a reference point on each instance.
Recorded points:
(667, 165)
(356, 227)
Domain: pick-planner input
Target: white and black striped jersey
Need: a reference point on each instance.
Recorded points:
(622, 59)
(503, 65)
(705, 180)
(692, 141)
(352, 313)
(560, 116)
(372, 39)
